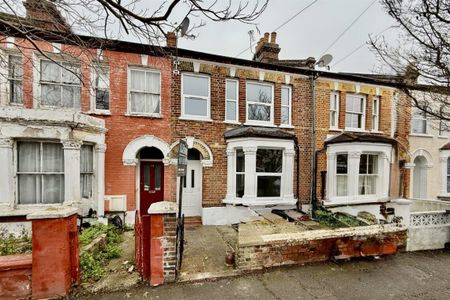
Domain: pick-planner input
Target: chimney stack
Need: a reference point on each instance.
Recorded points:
(267, 51)
(45, 15)
(171, 39)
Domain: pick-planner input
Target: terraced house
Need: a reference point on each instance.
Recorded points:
(99, 129)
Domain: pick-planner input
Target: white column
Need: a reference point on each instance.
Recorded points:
(250, 175)
(6, 172)
(231, 179)
(288, 178)
(331, 176)
(443, 163)
(353, 174)
(72, 193)
(100, 150)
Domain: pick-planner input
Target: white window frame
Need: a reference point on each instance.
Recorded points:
(289, 106)
(129, 91)
(247, 103)
(208, 99)
(236, 173)
(262, 174)
(421, 116)
(9, 93)
(363, 113)
(92, 173)
(341, 174)
(443, 129)
(376, 113)
(94, 88)
(40, 82)
(367, 174)
(334, 97)
(236, 101)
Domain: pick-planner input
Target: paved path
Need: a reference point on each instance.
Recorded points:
(420, 275)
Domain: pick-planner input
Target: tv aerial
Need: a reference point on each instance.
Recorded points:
(324, 61)
(181, 31)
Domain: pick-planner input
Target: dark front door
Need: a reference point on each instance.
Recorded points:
(152, 184)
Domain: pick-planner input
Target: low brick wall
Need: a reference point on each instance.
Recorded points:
(280, 249)
(15, 276)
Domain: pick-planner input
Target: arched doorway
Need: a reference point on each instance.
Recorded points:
(151, 177)
(420, 178)
(192, 189)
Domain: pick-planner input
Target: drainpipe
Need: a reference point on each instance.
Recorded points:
(297, 166)
(313, 146)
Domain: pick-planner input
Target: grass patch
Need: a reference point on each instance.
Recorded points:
(93, 264)
(336, 220)
(12, 245)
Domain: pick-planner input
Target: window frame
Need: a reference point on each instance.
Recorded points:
(183, 98)
(345, 175)
(41, 82)
(236, 101)
(91, 173)
(362, 113)
(9, 80)
(376, 114)
(236, 172)
(94, 88)
(129, 91)
(289, 106)
(335, 96)
(247, 103)
(17, 173)
(419, 115)
(376, 174)
(270, 174)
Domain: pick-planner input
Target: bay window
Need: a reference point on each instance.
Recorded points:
(60, 84)
(145, 92)
(40, 172)
(286, 105)
(195, 96)
(269, 166)
(86, 170)
(232, 102)
(15, 72)
(354, 112)
(259, 102)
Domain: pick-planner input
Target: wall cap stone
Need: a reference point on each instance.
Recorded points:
(163, 207)
(52, 213)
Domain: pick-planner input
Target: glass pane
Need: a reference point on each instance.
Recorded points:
(333, 119)
(51, 95)
(240, 160)
(372, 164)
(50, 71)
(71, 96)
(341, 185)
(367, 185)
(29, 157)
(231, 110)
(285, 115)
(15, 67)
(240, 183)
(86, 185)
(102, 78)
(348, 120)
(102, 99)
(152, 104)
(285, 96)
(137, 80)
(363, 164)
(360, 106)
(137, 102)
(53, 189)
(258, 112)
(16, 91)
(147, 175)
(448, 166)
(349, 103)
(29, 189)
(153, 82)
(333, 101)
(448, 184)
(87, 158)
(269, 186)
(52, 157)
(269, 161)
(195, 86)
(195, 106)
(71, 73)
(341, 164)
(259, 93)
(157, 177)
(231, 89)
(359, 120)
(192, 178)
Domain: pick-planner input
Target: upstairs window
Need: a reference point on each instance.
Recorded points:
(334, 110)
(60, 84)
(269, 168)
(419, 122)
(341, 174)
(286, 104)
(368, 171)
(40, 173)
(232, 102)
(86, 170)
(15, 73)
(145, 92)
(443, 129)
(259, 99)
(354, 112)
(195, 97)
(376, 113)
(101, 88)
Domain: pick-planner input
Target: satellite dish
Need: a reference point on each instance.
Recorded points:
(324, 61)
(184, 26)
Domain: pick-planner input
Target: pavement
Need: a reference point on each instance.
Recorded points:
(418, 275)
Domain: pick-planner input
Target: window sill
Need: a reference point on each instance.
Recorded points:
(335, 129)
(15, 104)
(232, 122)
(443, 137)
(338, 201)
(99, 112)
(259, 124)
(355, 130)
(425, 135)
(189, 118)
(154, 116)
(376, 131)
(286, 126)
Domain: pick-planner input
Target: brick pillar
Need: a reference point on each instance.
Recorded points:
(55, 266)
(162, 242)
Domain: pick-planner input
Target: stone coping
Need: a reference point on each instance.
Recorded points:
(14, 262)
(163, 207)
(53, 213)
(304, 236)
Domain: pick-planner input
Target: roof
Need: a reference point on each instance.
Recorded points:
(244, 131)
(350, 137)
(445, 147)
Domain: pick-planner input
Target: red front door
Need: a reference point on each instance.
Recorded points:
(151, 185)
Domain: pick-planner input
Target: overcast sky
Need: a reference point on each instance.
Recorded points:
(309, 34)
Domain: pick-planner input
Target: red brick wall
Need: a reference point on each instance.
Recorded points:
(15, 276)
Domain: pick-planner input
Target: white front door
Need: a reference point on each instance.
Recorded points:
(192, 191)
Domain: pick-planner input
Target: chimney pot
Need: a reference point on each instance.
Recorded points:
(273, 38)
(266, 37)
